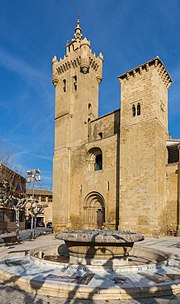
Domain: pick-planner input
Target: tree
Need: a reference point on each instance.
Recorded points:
(35, 209)
(12, 191)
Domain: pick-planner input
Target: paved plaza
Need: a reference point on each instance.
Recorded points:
(10, 295)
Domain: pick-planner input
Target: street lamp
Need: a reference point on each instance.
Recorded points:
(33, 175)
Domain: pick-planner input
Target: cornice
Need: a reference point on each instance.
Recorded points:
(157, 63)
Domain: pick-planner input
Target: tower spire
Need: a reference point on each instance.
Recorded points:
(78, 34)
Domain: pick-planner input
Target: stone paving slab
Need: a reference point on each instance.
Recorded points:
(8, 295)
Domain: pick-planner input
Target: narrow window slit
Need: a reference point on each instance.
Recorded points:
(75, 82)
(133, 110)
(64, 85)
(138, 109)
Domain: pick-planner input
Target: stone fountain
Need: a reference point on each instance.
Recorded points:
(99, 247)
(93, 264)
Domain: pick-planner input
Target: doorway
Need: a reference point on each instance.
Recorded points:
(94, 211)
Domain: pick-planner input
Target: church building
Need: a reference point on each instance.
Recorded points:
(120, 170)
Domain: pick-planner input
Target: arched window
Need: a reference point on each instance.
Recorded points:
(133, 110)
(138, 109)
(95, 159)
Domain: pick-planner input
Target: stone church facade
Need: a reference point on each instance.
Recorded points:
(121, 170)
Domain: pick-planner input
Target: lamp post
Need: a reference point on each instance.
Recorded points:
(33, 175)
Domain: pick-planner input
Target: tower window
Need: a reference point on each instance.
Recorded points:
(64, 85)
(133, 110)
(138, 109)
(98, 162)
(95, 159)
(75, 82)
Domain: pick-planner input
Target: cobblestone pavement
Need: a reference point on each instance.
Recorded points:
(8, 295)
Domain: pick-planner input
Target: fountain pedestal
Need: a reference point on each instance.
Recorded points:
(99, 247)
(98, 253)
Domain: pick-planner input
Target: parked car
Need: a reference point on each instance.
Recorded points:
(40, 224)
(49, 225)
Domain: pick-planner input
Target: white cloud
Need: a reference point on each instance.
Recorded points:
(38, 80)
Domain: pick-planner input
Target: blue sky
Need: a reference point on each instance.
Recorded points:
(128, 32)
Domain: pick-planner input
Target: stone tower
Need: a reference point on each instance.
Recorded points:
(76, 79)
(143, 154)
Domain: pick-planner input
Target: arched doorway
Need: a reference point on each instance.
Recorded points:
(94, 211)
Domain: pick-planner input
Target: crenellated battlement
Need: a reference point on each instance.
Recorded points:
(157, 63)
(78, 55)
(68, 64)
(65, 65)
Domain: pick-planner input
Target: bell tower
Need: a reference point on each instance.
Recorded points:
(143, 153)
(76, 79)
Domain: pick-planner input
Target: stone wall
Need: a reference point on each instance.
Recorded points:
(104, 126)
(94, 189)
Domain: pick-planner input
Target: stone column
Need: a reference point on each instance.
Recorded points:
(178, 195)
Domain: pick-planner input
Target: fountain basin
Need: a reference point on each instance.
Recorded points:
(99, 247)
(150, 273)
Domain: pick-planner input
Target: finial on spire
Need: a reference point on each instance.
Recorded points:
(77, 34)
